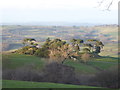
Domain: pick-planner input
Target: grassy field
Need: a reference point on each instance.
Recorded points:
(80, 67)
(110, 50)
(25, 84)
(17, 60)
(12, 61)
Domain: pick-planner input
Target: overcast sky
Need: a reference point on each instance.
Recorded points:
(80, 11)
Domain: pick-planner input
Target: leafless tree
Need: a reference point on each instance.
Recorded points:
(108, 4)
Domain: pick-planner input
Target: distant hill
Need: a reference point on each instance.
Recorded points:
(12, 35)
(52, 24)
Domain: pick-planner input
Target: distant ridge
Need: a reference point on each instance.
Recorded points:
(52, 24)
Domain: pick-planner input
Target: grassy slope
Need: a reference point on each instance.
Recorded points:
(104, 62)
(110, 49)
(25, 84)
(17, 60)
(82, 68)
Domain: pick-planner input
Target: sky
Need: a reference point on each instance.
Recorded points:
(75, 11)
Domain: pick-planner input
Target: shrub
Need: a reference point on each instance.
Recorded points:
(59, 73)
(85, 57)
(27, 50)
(42, 52)
(5, 62)
(53, 72)
(26, 73)
(107, 78)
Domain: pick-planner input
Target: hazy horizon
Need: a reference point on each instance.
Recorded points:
(56, 23)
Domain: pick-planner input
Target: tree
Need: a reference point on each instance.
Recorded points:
(108, 4)
(99, 43)
(59, 73)
(42, 52)
(58, 50)
(97, 49)
(96, 44)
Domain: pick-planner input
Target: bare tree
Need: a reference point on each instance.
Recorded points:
(108, 4)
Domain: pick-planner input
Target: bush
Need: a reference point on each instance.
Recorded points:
(59, 73)
(25, 73)
(52, 72)
(27, 50)
(85, 57)
(5, 62)
(41, 52)
(106, 78)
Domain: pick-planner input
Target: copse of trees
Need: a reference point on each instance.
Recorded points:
(59, 50)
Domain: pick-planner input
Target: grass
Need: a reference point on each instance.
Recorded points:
(110, 50)
(108, 59)
(102, 65)
(26, 84)
(80, 67)
(104, 62)
(18, 60)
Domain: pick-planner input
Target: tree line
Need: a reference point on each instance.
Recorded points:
(60, 50)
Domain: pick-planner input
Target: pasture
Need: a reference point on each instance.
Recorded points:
(13, 61)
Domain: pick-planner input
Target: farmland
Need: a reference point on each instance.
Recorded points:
(14, 61)
(18, 60)
(12, 36)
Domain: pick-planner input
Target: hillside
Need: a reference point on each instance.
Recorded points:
(18, 60)
(12, 36)
(45, 56)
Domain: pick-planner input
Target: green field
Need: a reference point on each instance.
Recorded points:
(25, 84)
(13, 61)
(80, 67)
(18, 60)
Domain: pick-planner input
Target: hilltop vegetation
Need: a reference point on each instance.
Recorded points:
(58, 50)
